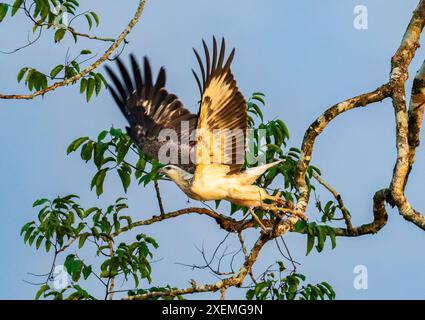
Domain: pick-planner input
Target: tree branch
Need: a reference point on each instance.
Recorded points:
(233, 281)
(380, 218)
(93, 66)
(407, 137)
(317, 127)
(337, 196)
(158, 197)
(226, 223)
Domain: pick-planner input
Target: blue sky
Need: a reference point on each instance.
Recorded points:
(305, 55)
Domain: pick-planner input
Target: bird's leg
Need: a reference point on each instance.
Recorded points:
(272, 207)
(281, 206)
(257, 219)
(277, 199)
(289, 211)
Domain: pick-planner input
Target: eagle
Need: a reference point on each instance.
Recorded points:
(216, 170)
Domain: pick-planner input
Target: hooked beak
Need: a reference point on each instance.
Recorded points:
(161, 170)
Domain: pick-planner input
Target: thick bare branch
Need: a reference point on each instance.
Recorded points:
(406, 137)
(416, 110)
(380, 218)
(403, 169)
(394, 89)
(317, 127)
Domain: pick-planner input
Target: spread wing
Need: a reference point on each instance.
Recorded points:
(150, 109)
(223, 117)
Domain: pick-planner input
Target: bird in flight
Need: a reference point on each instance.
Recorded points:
(213, 169)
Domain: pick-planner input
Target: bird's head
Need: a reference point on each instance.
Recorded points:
(174, 173)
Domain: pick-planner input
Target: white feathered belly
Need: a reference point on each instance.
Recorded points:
(230, 189)
(211, 189)
(215, 184)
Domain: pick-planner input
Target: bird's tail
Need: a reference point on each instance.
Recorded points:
(252, 174)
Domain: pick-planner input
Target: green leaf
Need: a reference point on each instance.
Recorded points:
(39, 80)
(283, 127)
(39, 241)
(259, 99)
(87, 270)
(83, 85)
(86, 151)
(59, 34)
(74, 35)
(250, 294)
(99, 181)
(3, 10)
(115, 132)
(89, 20)
(43, 289)
(28, 233)
(76, 144)
(39, 202)
(331, 233)
(257, 110)
(300, 226)
(122, 151)
(330, 290)
(105, 83)
(82, 240)
(90, 89)
(99, 152)
(70, 72)
(26, 226)
(95, 17)
(28, 78)
(127, 218)
(85, 52)
(316, 169)
(321, 238)
(22, 73)
(48, 245)
(102, 135)
(16, 5)
(76, 65)
(310, 242)
(140, 166)
(125, 178)
(55, 71)
(32, 238)
(98, 84)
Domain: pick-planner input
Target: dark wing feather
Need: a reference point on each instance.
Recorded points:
(223, 110)
(149, 108)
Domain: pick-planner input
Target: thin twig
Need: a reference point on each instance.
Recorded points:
(90, 68)
(158, 197)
